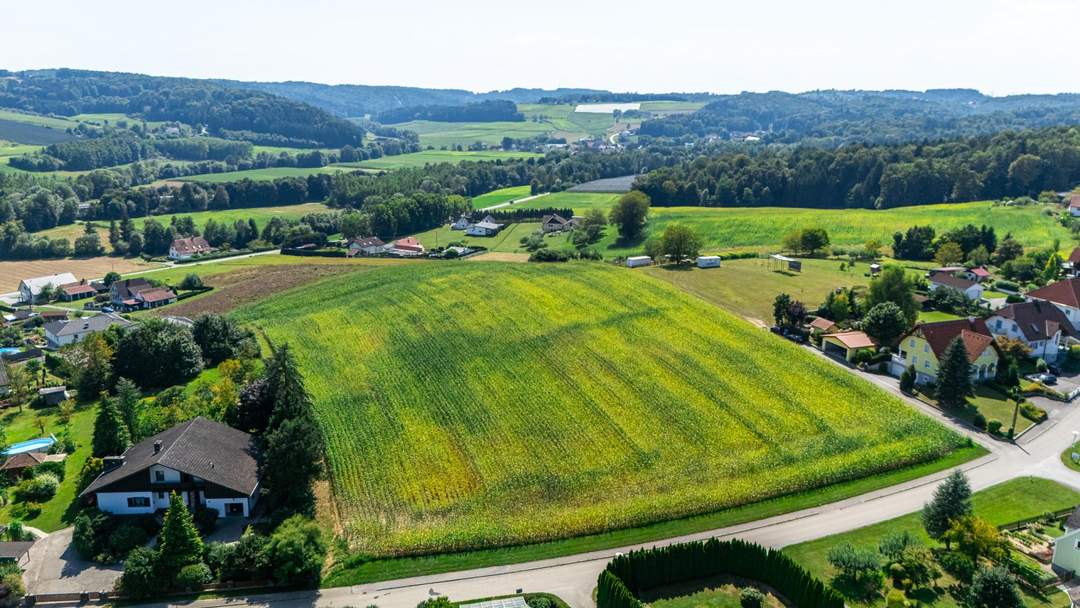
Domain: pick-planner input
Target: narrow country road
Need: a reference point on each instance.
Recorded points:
(513, 202)
(573, 577)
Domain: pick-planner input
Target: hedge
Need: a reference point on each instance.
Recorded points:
(638, 571)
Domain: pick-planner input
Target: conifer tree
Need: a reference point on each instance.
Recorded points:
(954, 376)
(111, 435)
(179, 544)
(128, 398)
(951, 502)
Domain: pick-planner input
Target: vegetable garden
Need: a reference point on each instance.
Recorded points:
(488, 404)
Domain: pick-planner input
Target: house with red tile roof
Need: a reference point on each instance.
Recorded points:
(1064, 294)
(407, 246)
(187, 248)
(922, 348)
(847, 344)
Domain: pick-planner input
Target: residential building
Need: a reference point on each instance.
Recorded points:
(823, 325)
(407, 246)
(1071, 265)
(555, 223)
(1064, 294)
(923, 348)
(462, 223)
(971, 290)
(14, 465)
(371, 245)
(77, 291)
(1039, 324)
(207, 463)
(1074, 205)
(1067, 546)
(485, 227)
(187, 248)
(64, 332)
(135, 294)
(30, 289)
(847, 344)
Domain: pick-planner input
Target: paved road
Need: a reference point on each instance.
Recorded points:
(573, 577)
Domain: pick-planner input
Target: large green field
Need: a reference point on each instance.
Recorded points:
(262, 174)
(484, 404)
(427, 157)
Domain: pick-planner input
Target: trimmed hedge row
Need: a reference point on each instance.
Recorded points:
(630, 574)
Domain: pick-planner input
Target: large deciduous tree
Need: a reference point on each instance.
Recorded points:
(680, 243)
(894, 285)
(157, 353)
(629, 214)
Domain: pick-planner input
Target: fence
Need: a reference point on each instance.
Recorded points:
(1016, 525)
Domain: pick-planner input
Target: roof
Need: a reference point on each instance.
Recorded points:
(73, 289)
(1037, 320)
(408, 243)
(22, 460)
(195, 244)
(486, 225)
(37, 283)
(157, 294)
(48, 390)
(980, 272)
(1066, 293)
(129, 287)
(823, 324)
(1074, 257)
(953, 281)
(973, 332)
(555, 218)
(15, 549)
(853, 339)
(371, 241)
(213, 451)
(1073, 522)
(85, 324)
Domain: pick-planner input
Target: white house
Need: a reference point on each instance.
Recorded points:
(485, 227)
(1064, 294)
(69, 331)
(708, 261)
(462, 223)
(371, 245)
(1040, 325)
(187, 248)
(636, 261)
(971, 290)
(30, 289)
(207, 463)
(1074, 205)
(1067, 546)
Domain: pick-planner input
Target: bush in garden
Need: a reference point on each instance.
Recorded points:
(978, 421)
(751, 598)
(193, 575)
(994, 426)
(37, 489)
(126, 538)
(1040, 365)
(540, 602)
(53, 467)
(296, 552)
(957, 564)
(140, 574)
(206, 520)
(11, 586)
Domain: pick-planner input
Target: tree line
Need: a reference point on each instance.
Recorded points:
(494, 110)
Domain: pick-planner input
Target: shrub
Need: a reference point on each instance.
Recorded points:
(193, 575)
(994, 426)
(191, 281)
(1040, 365)
(53, 467)
(1074, 352)
(139, 579)
(549, 255)
(1032, 413)
(11, 586)
(296, 552)
(751, 598)
(957, 564)
(1006, 285)
(979, 421)
(126, 538)
(37, 489)
(895, 599)
(540, 601)
(907, 379)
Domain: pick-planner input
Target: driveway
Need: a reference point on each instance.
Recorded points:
(56, 567)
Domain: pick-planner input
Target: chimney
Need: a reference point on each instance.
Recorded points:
(157, 446)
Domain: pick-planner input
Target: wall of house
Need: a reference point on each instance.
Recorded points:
(116, 502)
(220, 505)
(171, 475)
(918, 354)
(1047, 349)
(1067, 551)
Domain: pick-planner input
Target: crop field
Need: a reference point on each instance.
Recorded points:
(262, 174)
(482, 404)
(440, 134)
(12, 271)
(502, 195)
(426, 157)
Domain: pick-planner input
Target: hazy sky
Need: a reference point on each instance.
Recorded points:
(997, 46)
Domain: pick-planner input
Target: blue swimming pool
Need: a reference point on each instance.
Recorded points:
(34, 445)
(7, 350)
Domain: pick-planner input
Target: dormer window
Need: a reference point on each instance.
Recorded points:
(159, 476)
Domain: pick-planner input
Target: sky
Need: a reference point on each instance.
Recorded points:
(997, 46)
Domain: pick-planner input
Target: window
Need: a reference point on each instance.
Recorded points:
(914, 360)
(161, 496)
(138, 501)
(997, 324)
(926, 364)
(159, 475)
(925, 348)
(911, 343)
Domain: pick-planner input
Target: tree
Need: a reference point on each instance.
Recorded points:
(780, 307)
(1014, 349)
(949, 254)
(976, 538)
(128, 400)
(813, 239)
(179, 543)
(110, 278)
(19, 385)
(296, 552)
(93, 359)
(858, 568)
(951, 502)
(994, 588)
(221, 199)
(907, 379)
(220, 338)
(140, 579)
(893, 285)
(191, 281)
(680, 243)
(885, 322)
(1007, 250)
(158, 353)
(629, 214)
(111, 435)
(12, 588)
(954, 375)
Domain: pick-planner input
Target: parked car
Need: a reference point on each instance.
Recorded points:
(106, 309)
(1048, 378)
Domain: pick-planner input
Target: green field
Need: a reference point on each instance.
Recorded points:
(507, 241)
(483, 404)
(497, 197)
(262, 174)
(580, 202)
(38, 119)
(1001, 504)
(426, 157)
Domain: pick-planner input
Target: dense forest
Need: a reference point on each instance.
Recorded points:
(1008, 164)
(834, 117)
(236, 113)
(484, 111)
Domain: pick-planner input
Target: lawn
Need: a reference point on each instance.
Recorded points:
(1005, 503)
(748, 287)
(54, 514)
(479, 405)
(262, 174)
(1066, 457)
(426, 157)
(580, 202)
(989, 402)
(38, 119)
(508, 240)
(446, 134)
(713, 593)
(497, 197)
(934, 316)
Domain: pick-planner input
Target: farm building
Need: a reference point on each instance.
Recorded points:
(371, 245)
(555, 223)
(485, 227)
(847, 344)
(407, 246)
(64, 332)
(636, 261)
(1040, 325)
(708, 261)
(207, 463)
(187, 248)
(135, 294)
(77, 291)
(30, 289)
(924, 346)
(971, 290)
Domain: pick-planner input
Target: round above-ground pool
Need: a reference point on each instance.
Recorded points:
(33, 445)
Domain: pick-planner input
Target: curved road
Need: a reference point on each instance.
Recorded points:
(573, 577)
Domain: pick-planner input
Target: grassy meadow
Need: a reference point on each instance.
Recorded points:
(262, 174)
(472, 405)
(502, 195)
(427, 157)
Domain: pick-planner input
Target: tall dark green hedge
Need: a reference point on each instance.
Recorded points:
(630, 574)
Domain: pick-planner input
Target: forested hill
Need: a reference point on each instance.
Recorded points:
(485, 111)
(256, 116)
(834, 117)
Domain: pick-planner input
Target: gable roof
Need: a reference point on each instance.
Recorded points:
(371, 241)
(555, 219)
(408, 243)
(213, 451)
(56, 280)
(156, 294)
(823, 324)
(73, 289)
(486, 225)
(973, 332)
(1037, 319)
(949, 280)
(853, 339)
(1074, 257)
(129, 287)
(1066, 293)
(190, 245)
(100, 322)
(980, 272)
(22, 460)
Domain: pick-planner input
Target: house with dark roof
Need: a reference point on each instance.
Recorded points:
(971, 289)
(77, 291)
(555, 223)
(485, 227)
(370, 245)
(187, 248)
(207, 463)
(69, 331)
(1037, 323)
(922, 348)
(136, 294)
(1064, 294)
